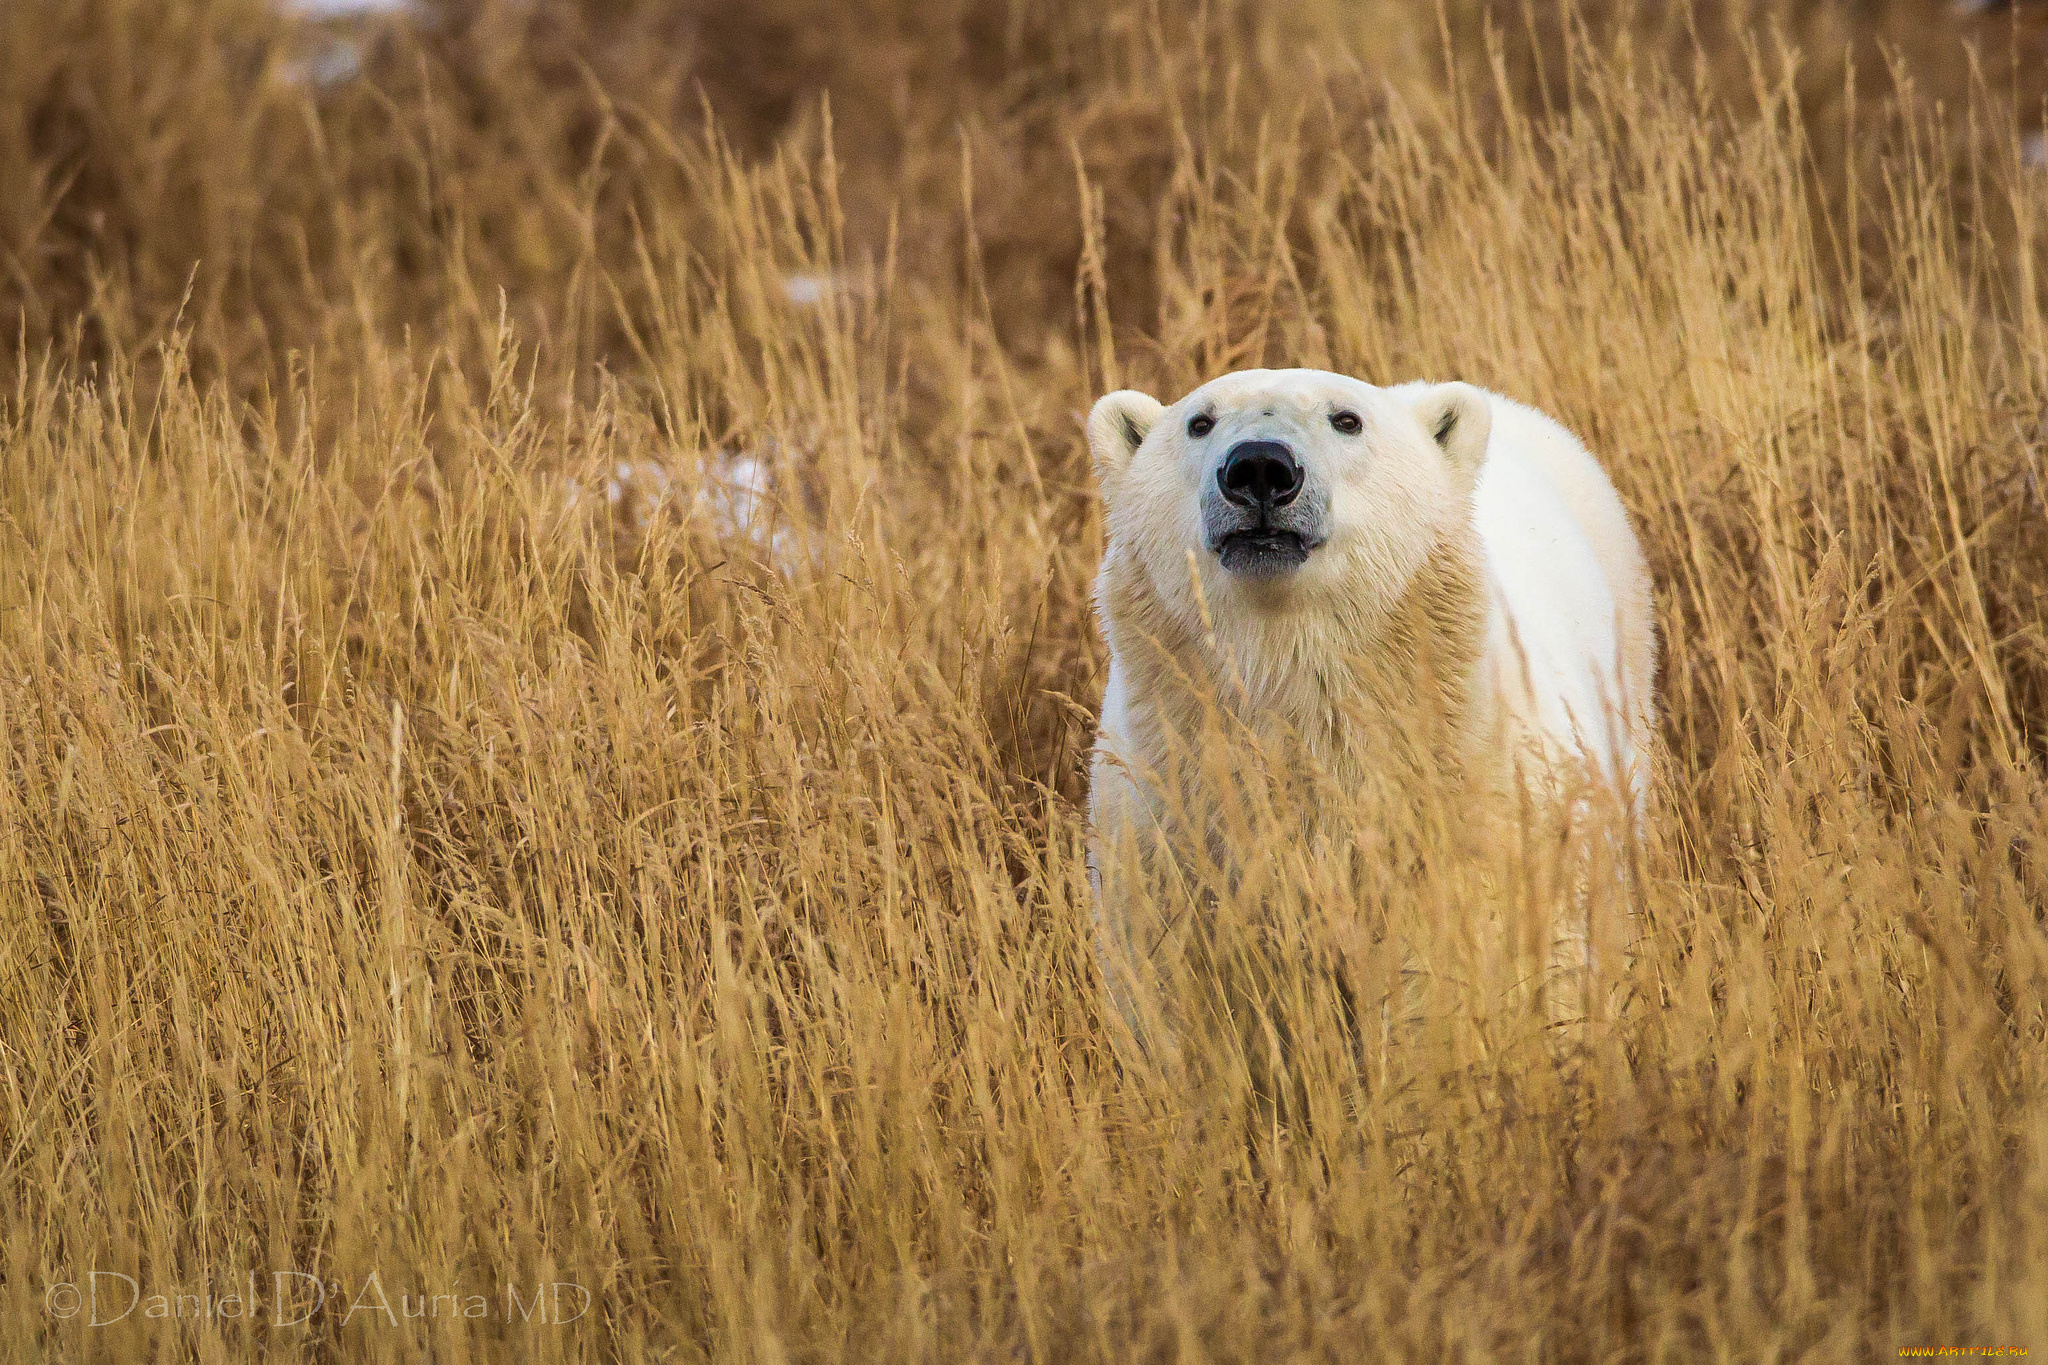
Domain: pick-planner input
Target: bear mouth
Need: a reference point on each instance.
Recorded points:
(1262, 553)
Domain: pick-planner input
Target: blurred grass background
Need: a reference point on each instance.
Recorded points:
(545, 665)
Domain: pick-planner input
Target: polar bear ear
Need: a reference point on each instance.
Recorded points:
(1117, 427)
(1459, 418)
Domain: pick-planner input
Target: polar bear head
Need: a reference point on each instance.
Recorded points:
(1280, 490)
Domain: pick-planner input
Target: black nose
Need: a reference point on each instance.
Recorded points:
(1260, 474)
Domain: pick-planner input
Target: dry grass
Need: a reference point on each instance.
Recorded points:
(407, 869)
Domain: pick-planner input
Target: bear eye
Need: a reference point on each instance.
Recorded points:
(1201, 424)
(1346, 422)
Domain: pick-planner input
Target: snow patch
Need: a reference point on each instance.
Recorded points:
(808, 289)
(346, 9)
(733, 500)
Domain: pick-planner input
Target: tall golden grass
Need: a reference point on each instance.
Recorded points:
(417, 863)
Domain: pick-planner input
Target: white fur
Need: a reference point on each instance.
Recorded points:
(1555, 620)
(1567, 652)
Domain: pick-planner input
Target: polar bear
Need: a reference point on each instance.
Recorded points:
(1417, 584)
